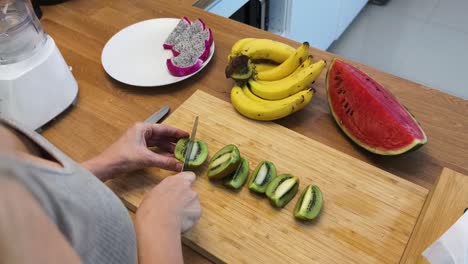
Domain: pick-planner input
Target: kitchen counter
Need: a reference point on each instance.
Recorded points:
(106, 107)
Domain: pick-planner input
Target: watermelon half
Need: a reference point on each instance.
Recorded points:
(369, 114)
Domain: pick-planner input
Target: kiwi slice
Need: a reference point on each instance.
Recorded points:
(282, 189)
(262, 176)
(309, 204)
(238, 177)
(198, 154)
(224, 162)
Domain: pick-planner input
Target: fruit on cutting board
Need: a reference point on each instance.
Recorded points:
(197, 156)
(265, 49)
(282, 189)
(309, 204)
(190, 44)
(224, 162)
(237, 179)
(254, 107)
(264, 173)
(369, 114)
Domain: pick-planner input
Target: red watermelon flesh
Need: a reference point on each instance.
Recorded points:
(369, 114)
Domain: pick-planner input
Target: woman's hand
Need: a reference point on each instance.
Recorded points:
(167, 210)
(130, 152)
(172, 203)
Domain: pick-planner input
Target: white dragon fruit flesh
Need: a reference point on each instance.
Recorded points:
(190, 47)
(182, 26)
(203, 38)
(195, 27)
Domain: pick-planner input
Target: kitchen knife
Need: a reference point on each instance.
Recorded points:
(154, 118)
(190, 144)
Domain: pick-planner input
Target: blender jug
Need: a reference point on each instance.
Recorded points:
(36, 84)
(21, 34)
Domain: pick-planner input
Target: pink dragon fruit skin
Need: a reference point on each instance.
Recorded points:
(183, 71)
(210, 40)
(205, 55)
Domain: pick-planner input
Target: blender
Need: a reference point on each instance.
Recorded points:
(36, 84)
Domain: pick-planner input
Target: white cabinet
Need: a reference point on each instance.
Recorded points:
(347, 12)
(314, 21)
(320, 22)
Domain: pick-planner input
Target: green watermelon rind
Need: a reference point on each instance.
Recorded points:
(412, 146)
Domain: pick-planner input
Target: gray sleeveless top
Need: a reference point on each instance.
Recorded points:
(86, 211)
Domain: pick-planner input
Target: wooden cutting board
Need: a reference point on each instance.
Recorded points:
(444, 206)
(368, 214)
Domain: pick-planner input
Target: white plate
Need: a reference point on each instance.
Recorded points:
(135, 54)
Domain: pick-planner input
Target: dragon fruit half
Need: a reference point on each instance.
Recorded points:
(191, 47)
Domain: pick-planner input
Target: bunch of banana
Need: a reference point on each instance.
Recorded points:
(265, 50)
(252, 106)
(275, 86)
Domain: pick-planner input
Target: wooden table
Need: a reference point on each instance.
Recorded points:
(106, 108)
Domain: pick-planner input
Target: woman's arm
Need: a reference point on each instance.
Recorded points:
(26, 233)
(130, 152)
(167, 210)
(159, 240)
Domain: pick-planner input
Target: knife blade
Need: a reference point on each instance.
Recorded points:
(156, 116)
(190, 143)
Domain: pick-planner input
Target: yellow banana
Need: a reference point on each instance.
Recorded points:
(287, 67)
(288, 86)
(264, 66)
(304, 65)
(267, 49)
(265, 110)
(268, 66)
(290, 99)
(238, 46)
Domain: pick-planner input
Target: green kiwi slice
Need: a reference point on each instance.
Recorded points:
(224, 162)
(238, 177)
(282, 189)
(309, 204)
(198, 154)
(262, 176)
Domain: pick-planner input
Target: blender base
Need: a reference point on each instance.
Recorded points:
(34, 91)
